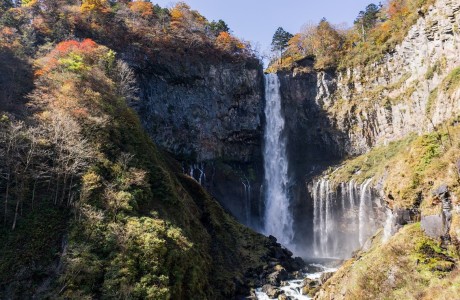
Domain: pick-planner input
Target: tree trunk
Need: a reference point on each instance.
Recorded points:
(33, 193)
(6, 198)
(16, 213)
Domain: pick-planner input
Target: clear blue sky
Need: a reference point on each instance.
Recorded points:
(257, 20)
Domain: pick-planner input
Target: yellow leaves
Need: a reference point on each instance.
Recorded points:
(28, 3)
(91, 181)
(94, 5)
(144, 9)
(229, 43)
(177, 16)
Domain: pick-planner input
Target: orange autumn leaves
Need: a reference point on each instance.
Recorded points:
(144, 9)
(71, 55)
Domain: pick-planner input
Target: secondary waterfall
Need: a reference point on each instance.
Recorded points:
(344, 217)
(278, 218)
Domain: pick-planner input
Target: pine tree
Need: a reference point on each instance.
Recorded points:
(280, 40)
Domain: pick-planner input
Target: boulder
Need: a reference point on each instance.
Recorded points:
(310, 287)
(283, 297)
(441, 191)
(271, 291)
(310, 282)
(276, 277)
(433, 226)
(313, 269)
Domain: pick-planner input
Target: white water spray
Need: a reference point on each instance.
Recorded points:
(278, 218)
(344, 217)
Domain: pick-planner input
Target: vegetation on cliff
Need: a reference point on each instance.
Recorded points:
(91, 208)
(376, 32)
(408, 266)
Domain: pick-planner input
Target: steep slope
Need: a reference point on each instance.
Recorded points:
(394, 123)
(208, 113)
(92, 208)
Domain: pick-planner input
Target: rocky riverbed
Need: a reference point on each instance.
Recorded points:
(297, 285)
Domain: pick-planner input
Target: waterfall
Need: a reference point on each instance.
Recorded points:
(344, 217)
(197, 168)
(364, 200)
(388, 229)
(278, 219)
(247, 199)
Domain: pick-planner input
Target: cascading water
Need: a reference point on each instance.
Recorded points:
(344, 217)
(247, 199)
(197, 172)
(278, 218)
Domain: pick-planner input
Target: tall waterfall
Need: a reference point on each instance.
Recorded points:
(278, 218)
(344, 217)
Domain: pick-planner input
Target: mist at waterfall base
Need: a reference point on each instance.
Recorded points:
(345, 216)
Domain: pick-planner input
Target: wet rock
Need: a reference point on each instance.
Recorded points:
(313, 269)
(310, 287)
(283, 297)
(276, 277)
(271, 291)
(272, 239)
(297, 275)
(310, 282)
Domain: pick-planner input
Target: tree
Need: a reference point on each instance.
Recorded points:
(218, 27)
(94, 5)
(327, 45)
(142, 8)
(367, 19)
(280, 40)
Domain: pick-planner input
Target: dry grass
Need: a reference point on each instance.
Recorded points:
(409, 266)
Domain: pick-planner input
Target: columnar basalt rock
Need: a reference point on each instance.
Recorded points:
(209, 114)
(390, 98)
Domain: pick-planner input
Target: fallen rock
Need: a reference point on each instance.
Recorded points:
(433, 226)
(310, 282)
(310, 287)
(313, 269)
(271, 291)
(283, 297)
(276, 277)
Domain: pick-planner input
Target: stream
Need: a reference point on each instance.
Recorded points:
(293, 289)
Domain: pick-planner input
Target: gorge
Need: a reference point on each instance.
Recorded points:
(148, 154)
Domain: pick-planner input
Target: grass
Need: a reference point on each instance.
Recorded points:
(452, 81)
(409, 266)
(412, 167)
(372, 163)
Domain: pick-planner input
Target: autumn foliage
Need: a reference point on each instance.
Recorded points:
(376, 31)
(144, 9)
(72, 55)
(228, 43)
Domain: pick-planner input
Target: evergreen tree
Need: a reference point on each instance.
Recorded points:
(280, 40)
(218, 26)
(367, 19)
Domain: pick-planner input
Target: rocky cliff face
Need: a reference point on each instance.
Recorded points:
(333, 114)
(406, 91)
(209, 114)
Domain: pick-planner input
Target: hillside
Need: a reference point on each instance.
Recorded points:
(142, 147)
(92, 208)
